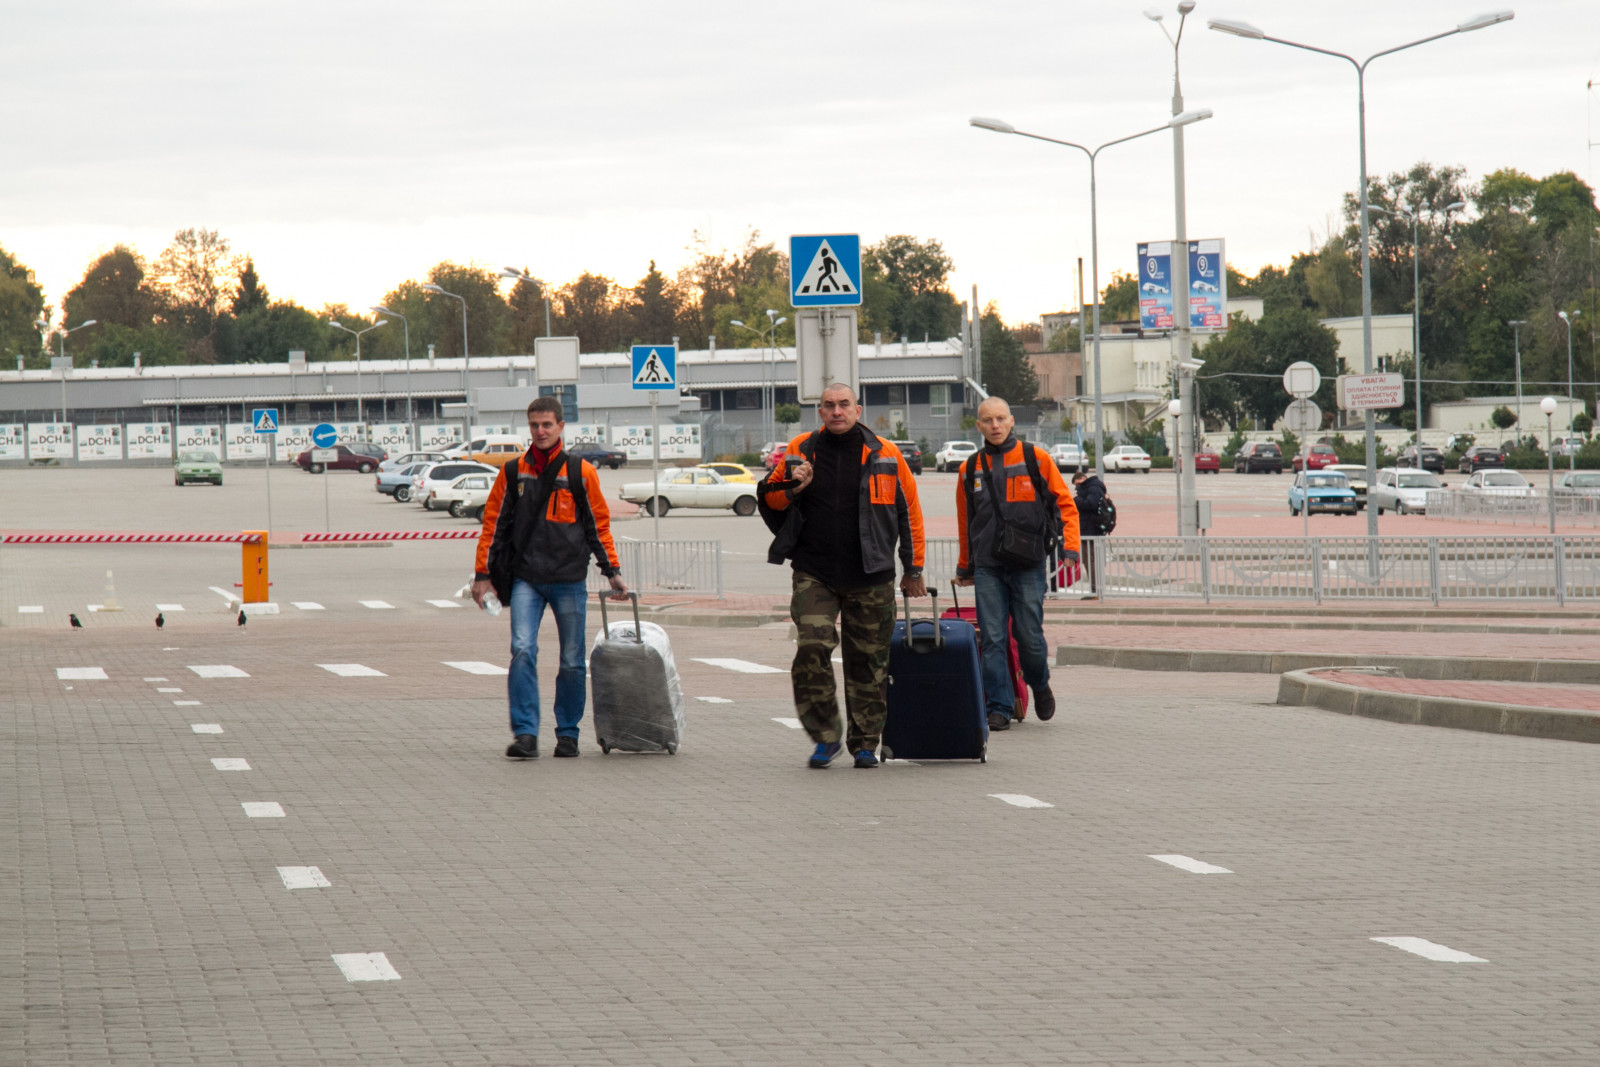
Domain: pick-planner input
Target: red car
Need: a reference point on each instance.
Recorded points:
(775, 457)
(1319, 457)
(1207, 462)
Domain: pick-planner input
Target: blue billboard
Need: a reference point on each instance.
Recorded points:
(1208, 285)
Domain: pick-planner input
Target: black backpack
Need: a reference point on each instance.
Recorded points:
(1107, 514)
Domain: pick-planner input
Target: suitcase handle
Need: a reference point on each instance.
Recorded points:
(605, 622)
(955, 598)
(938, 635)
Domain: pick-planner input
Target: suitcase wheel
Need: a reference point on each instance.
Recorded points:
(983, 757)
(672, 750)
(885, 752)
(605, 746)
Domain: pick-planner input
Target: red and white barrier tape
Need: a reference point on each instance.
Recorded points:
(409, 535)
(128, 538)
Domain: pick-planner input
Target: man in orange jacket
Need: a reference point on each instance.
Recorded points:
(533, 553)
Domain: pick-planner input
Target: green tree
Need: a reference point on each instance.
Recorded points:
(191, 276)
(526, 304)
(906, 289)
(1503, 418)
(589, 312)
(1007, 373)
(1120, 298)
(718, 279)
(267, 335)
(114, 290)
(250, 294)
(488, 317)
(21, 305)
(788, 414)
(1067, 340)
(1243, 376)
(651, 310)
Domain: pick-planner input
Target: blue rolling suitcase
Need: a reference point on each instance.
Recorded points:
(936, 708)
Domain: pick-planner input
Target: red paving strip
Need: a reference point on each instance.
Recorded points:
(1526, 694)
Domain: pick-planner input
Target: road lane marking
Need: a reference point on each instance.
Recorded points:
(80, 674)
(1193, 866)
(715, 700)
(743, 666)
(30, 609)
(377, 605)
(186, 703)
(444, 603)
(155, 679)
(169, 607)
(303, 878)
(219, 670)
(793, 724)
(168, 689)
(308, 605)
(224, 594)
(476, 666)
(263, 809)
(231, 764)
(352, 670)
(366, 967)
(1021, 800)
(207, 728)
(1429, 950)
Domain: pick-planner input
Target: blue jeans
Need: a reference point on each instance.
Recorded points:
(568, 601)
(1018, 596)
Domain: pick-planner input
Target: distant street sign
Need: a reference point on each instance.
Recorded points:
(825, 270)
(324, 455)
(264, 420)
(558, 359)
(1302, 416)
(1302, 380)
(1371, 392)
(655, 367)
(325, 435)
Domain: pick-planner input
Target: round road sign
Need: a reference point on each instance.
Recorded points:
(1302, 380)
(324, 436)
(1302, 416)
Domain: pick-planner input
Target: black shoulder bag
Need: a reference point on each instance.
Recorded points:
(1016, 546)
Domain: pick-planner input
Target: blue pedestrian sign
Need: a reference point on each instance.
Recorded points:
(265, 420)
(655, 366)
(324, 436)
(825, 270)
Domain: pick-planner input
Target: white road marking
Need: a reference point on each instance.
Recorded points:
(308, 605)
(231, 764)
(743, 666)
(303, 878)
(476, 666)
(263, 809)
(155, 679)
(366, 967)
(219, 670)
(30, 609)
(715, 700)
(95, 607)
(377, 605)
(1428, 950)
(793, 724)
(444, 603)
(186, 703)
(224, 594)
(1021, 800)
(351, 670)
(168, 689)
(207, 728)
(1193, 866)
(172, 649)
(80, 674)
(169, 607)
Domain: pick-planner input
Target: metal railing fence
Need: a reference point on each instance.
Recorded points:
(1525, 510)
(666, 567)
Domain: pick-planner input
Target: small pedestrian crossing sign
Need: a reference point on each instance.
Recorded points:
(265, 420)
(825, 270)
(655, 366)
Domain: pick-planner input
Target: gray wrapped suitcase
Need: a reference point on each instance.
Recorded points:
(638, 703)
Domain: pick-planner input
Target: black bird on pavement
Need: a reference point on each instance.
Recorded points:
(241, 617)
(76, 625)
(161, 620)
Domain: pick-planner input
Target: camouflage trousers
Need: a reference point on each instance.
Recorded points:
(865, 616)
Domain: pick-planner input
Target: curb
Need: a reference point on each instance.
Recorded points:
(1441, 668)
(1306, 689)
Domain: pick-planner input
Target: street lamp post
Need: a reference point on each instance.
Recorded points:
(1516, 343)
(1548, 406)
(769, 430)
(1244, 29)
(524, 276)
(1572, 453)
(466, 358)
(1175, 410)
(411, 414)
(337, 325)
(61, 341)
(1000, 126)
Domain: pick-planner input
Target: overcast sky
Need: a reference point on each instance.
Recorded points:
(349, 145)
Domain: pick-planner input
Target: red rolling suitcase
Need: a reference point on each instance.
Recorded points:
(1019, 707)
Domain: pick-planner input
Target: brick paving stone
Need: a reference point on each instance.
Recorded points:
(1529, 694)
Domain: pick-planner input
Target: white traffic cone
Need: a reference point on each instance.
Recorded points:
(111, 595)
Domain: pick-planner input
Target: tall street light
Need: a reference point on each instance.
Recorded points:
(337, 325)
(1000, 126)
(1548, 406)
(411, 415)
(770, 334)
(1183, 379)
(524, 276)
(1516, 343)
(1572, 453)
(466, 358)
(1416, 300)
(1244, 29)
(61, 341)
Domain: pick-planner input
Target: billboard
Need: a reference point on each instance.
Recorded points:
(583, 433)
(393, 436)
(198, 436)
(96, 444)
(1208, 285)
(13, 441)
(151, 440)
(680, 441)
(441, 435)
(49, 440)
(245, 443)
(293, 439)
(634, 440)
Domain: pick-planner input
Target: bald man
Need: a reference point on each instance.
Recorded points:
(1010, 482)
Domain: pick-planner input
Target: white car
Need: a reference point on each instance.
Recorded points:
(1128, 458)
(465, 496)
(438, 475)
(1403, 491)
(1498, 483)
(952, 454)
(411, 459)
(690, 487)
(1068, 457)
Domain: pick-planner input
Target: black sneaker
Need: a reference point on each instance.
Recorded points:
(566, 746)
(1044, 704)
(865, 760)
(998, 721)
(526, 746)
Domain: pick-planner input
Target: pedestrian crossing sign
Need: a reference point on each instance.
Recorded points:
(655, 366)
(825, 270)
(264, 420)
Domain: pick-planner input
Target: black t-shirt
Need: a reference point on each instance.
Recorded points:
(830, 542)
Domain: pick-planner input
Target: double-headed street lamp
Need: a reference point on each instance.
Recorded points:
(466, 358)
(769, 391)
(61, 341)
(411, 416)
(1001, 126)
(523, 276)
(337, 325)
(1244, 29)
(1572, 453)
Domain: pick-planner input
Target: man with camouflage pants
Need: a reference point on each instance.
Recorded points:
(840, 502)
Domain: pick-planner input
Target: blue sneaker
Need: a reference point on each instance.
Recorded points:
(865, 760)
(824, 754)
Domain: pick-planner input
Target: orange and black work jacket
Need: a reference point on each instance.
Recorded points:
(551, 527)
(1020, 501)
(889, 509)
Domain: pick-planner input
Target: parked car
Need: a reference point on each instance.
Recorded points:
(598, 456)
(396, 481)
(1481, 457)
(733, 472)
(952, 454)
(1356, 475)
(466, 495)
(1316, 459)
(1432, 458)
(1498, 483)
(1256, 456)
(769, 448)
(355, 456)
(1460, 442)
(773, 457)
(1565, 446)
(438, 475)
(197, 465)
(1325, 491)
(1579, 483)
(1128, 458)
(411, 459)
(913, 454)
(690, 487)
(495, 450)
(1207, 462)
(1069, 457)
(1403, 491)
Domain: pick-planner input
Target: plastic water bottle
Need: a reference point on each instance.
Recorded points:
(491, 603)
